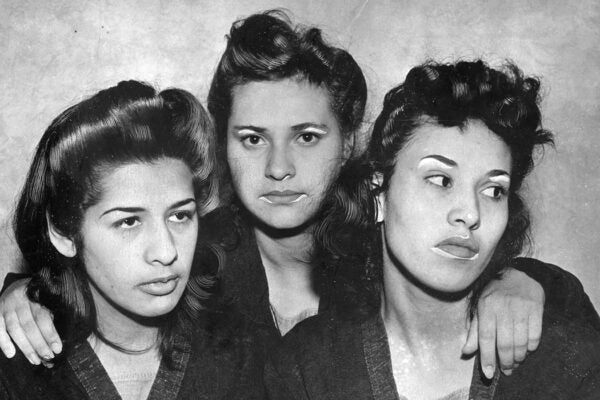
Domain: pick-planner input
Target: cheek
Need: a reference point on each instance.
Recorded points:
(497, 217)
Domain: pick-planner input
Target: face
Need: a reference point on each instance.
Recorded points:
(447, 204)
(139, 239)
(284, 149)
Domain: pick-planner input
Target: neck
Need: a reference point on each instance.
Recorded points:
(286, 259)
(418, 317)
(286, 252)
(122, 328)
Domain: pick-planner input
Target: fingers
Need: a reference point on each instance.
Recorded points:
(45, 323)
(32, 331)
(521, 339)
(535, 330)
(471, 343)
(487, 341)
(505, 341)
(6, 344)
(13, 326)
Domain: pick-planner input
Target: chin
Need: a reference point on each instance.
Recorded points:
(451, 287)
(285, 220)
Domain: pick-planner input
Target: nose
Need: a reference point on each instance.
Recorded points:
(280, 165)
(465, 212)
(160, 247)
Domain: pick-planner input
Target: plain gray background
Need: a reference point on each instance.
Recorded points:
(53, 53)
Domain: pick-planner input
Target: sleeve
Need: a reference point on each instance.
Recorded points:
(564, 292)
(11, 278)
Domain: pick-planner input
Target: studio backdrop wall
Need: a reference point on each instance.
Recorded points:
(54, 53)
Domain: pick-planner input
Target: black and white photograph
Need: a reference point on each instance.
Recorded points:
(304, 200)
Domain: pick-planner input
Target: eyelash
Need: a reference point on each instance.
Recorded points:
(246, 138)
(314, 138)
(502, 189)
(189, 215)
(302, 138)
(122, 223)
(429, 179)
(503, 192)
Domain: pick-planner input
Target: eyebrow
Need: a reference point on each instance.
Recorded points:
(500, 173)
(451, 163)
(308, 125)
(249, 127)
(442, 159)
(140, 209)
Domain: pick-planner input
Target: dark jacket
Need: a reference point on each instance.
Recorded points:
(345, 355)
(221, 359)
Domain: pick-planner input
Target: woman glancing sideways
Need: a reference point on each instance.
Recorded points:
(449, 153)
(287, 107)
(108, 220)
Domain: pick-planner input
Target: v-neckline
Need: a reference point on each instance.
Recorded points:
(98, 386)
(379, 365)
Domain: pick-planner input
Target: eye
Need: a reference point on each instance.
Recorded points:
(495, 192)
(440, 180)
(252, 140)
(128, 223)
(308, 138)
(181, 216)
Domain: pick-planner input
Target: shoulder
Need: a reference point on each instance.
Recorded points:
(227, 357)
(228, 329)
(322, 357)
(318, 340)
(570, 343)
(20, 379)
(565, 365)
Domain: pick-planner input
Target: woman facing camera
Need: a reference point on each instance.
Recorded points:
(449, 153)
(109, 220)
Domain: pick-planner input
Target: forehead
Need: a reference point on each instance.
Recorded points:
(473, 146)
(283, 103)
(163, 181)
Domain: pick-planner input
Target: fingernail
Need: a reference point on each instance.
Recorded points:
(56, 347)
(47, 357)
(488, 371)
(34, 359)
(507, 372)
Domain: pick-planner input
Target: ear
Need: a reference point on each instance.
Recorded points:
(376, 184)
(63, 244)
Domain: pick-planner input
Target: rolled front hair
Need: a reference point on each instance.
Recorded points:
(127, 123)
(450, 95)
(267, 47)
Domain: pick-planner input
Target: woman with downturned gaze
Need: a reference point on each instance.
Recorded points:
(128, 270)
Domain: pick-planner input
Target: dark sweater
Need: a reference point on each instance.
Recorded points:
(222, 359)
(345, 355)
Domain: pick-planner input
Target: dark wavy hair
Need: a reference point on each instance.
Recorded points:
(267, 47)
(130, 122)
(450, 95)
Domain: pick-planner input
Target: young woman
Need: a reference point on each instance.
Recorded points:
(287, 108)
(450, 151)
(108, 220)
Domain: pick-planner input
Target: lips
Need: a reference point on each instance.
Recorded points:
(457, 248)
(283, 197)
(161, 286)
